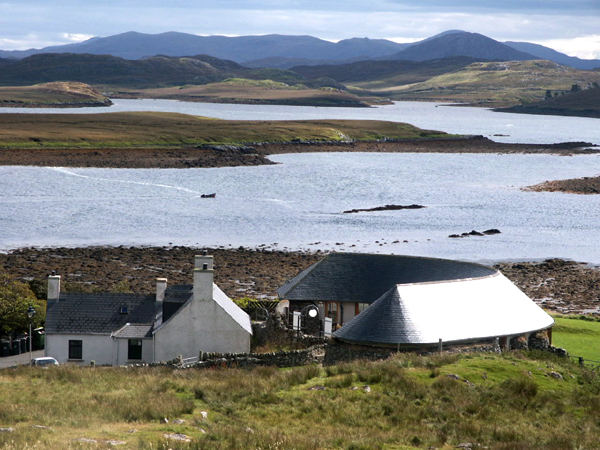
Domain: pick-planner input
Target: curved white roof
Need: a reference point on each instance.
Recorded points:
(456, 310)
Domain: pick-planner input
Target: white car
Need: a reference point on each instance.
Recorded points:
(44, 361)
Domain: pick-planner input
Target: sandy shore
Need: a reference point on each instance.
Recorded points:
(561, 286)
(226, 156)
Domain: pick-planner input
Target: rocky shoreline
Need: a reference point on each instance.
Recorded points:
(585, 185)
(560, 286)
(257, 153)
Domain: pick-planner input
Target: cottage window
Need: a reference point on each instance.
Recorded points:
(362, 307)
(134, 349)
(75, 349)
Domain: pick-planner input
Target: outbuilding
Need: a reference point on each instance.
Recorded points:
(409, 301)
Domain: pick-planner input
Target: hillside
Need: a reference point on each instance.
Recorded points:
(518, 400)
(541, 52)
(494, 83)
(55, 95)
(243, 90)
(584, 103)
(149, 72)
(384, 73)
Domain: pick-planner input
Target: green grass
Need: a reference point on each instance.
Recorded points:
(158, 130)
(499, 401)
(579, 337)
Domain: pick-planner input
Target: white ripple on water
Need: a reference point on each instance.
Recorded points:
(116, 180)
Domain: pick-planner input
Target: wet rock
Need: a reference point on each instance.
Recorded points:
(316, 388)
(7, 430)
(555, 375)
(384, 208)
(492, 231)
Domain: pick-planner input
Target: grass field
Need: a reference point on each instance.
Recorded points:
(157, 129)
(505, 401)
(579, 337)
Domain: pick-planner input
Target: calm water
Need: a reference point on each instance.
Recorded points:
(524, 128)
(299, 202)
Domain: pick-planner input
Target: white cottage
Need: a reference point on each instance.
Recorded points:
(115, 329)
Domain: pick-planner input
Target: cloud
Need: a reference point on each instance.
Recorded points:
(586, 47)
(76, 37)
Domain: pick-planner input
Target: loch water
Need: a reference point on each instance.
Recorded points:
(298, 204)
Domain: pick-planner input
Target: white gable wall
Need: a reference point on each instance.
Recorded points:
(200, 325)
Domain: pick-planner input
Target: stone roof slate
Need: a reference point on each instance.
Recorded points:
(361, 277)
(81, 313)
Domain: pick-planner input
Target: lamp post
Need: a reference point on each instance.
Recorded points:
(30, 314)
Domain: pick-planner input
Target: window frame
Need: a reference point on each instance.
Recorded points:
(76, 349)
(134, 346)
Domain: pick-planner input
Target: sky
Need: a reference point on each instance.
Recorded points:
(569, 26)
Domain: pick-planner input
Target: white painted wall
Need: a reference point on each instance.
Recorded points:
(200, 325)
(97, 347)
(121, 349)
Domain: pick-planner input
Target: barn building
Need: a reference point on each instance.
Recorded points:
(116, 329)
(410, 301)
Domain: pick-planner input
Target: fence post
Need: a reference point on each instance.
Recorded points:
(581, 361)
(440, 346)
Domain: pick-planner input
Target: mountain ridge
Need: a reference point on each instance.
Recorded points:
(274, 49)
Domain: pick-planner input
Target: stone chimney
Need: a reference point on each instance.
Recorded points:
(203, 278)
(53, 288)
(161, 287)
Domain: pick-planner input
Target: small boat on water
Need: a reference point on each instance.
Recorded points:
(213, 195)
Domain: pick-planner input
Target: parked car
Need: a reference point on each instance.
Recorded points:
(44, 361)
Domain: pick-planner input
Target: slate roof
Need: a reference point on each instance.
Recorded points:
(129, 331)
(98, 313)
(454, 311)
(359, 277)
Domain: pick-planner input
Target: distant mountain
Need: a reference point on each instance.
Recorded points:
(393, 72)
(542, 52)
(148, 72)
(461, 43)
(133, 45)
(282, 51)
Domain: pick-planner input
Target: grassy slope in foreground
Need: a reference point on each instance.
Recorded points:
(241, 90)
(494, 83)
(580, 337)
(151, 129)
(509, 401)
(57, 95)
